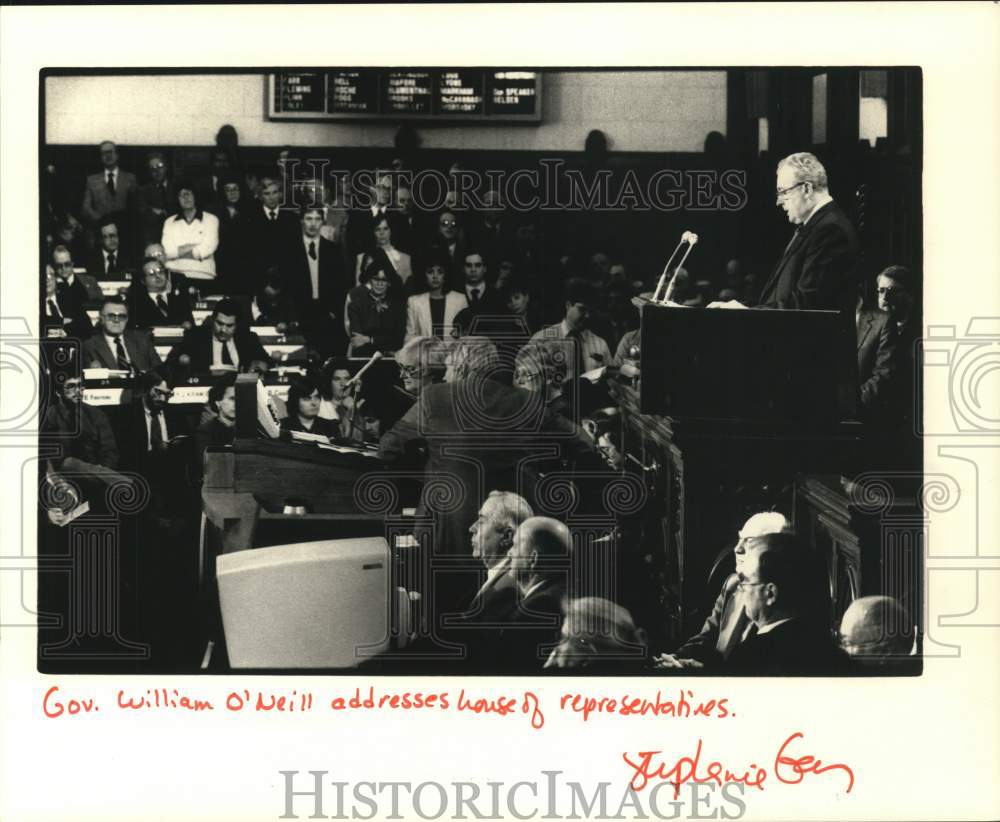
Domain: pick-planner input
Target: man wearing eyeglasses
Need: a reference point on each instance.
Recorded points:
(787, 633)
(116, 348)
(818, 266)
(728, 623)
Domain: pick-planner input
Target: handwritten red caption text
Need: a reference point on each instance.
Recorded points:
(526, 703)
(789, 768)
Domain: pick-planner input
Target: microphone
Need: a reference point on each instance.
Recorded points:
(374, 359)
(688, 237)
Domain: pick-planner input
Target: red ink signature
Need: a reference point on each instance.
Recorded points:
(787, 769)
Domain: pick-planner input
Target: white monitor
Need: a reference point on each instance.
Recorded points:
(310, 605)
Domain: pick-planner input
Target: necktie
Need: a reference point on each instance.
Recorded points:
(155, 434)
(112, 261)
(227, 358)
(111, 183)
(123, 363)
(312, 249)
(162, 305)
(274, 216)
(791, 242)
(53, 308)
(474, 296)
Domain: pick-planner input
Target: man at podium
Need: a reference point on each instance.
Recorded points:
(817, 269)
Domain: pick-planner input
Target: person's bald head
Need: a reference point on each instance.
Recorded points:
(876, 626)
(541, 550)
(596, 631)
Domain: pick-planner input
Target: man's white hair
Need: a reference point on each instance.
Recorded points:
(507, 509)
(766, 522)
(474, 356)
(807, 169)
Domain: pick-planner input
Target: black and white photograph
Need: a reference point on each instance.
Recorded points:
(530, 391)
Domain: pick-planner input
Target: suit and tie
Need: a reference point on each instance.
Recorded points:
(270, 231)
(101, 197)
(109, 265)
(876, 360)
(171, 307)
(818, 268)
(65, 310)
(315, 280)
(198, 345)
(154, 203)
(723, 630)
(797, 646)
(99, 352)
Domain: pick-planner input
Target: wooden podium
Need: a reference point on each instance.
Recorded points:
(733, 406)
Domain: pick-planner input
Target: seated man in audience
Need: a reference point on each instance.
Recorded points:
(899, 297)
(110, 260)
(303, 410)
(589, 350)
(114, 347)
(89, 454)
(492, 538)
(786, 637)
(421, 363)
(728, 623)
(146, 439)
(109, 192)
(219, 344)
(221, 429)
(598, 635)
(877, 634)
(540, 560)
(273, 306)
(152, 301)
(74, 290)
(63, 315)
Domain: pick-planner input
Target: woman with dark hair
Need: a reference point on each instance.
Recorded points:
(303, 410)
(431, 311)
(382, 241)
(376, 311)
(191, 237)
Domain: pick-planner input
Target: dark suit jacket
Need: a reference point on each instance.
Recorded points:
(138, 344)
(197, 344)
(267, 239)
(72, 308)
(818, 269)
(796, 647)
(231, 258)
(531, 630)
(153, 196)
(723, 629)
(333, 280)
(97, 200)
(477, 433)
(143, 313)
(89, 433)
(876, 360)
(123, 262)
(85, 290)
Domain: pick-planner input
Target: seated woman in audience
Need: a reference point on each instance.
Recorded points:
(221, 429)
(340, 403)
(519, 304)
(382, 241)
(376, 312)
(431, 311)
(303, 410)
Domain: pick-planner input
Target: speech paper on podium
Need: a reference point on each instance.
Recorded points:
(655, 120)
